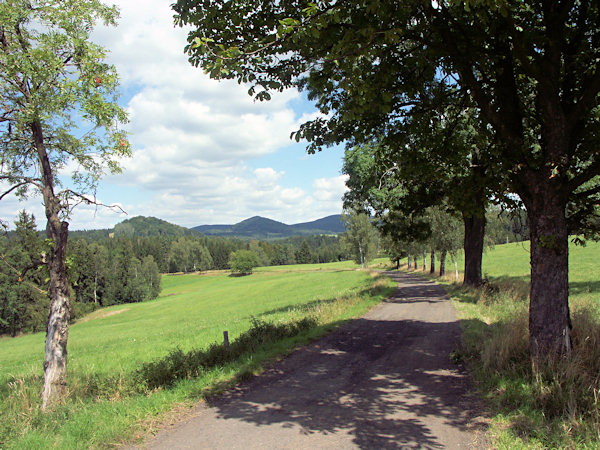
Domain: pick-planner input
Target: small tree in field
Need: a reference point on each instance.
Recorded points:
(58, 109)
(243, 261)
(361, 238)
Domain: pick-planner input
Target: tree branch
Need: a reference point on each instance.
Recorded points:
(589, 173)
(83, 199)
(16, 186)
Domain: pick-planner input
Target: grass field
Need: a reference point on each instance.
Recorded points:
(104, 407)
(558, 404)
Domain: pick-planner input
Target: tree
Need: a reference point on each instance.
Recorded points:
(151, 276)
(199, 256)
(446, 235)
(530, 69)
(22, 285)
(243, 261)
(303, 255)
(361, 237)
(58, 107)
(180, 256)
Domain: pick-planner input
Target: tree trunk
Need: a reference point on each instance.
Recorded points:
(424, 260)
(57, 330)
(408, 260)
(362, 261)
(443, 263)
(549, 319)
(96, 288)
(432, 261)
(473, 245)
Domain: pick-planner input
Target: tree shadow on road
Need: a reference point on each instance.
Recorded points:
(387, 383)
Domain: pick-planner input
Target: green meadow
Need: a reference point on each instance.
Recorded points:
(104, 405)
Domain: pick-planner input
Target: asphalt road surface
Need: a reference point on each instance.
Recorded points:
(385, 380)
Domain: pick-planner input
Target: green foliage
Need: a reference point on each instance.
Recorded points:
(23, 300)
(243, 261)
(361, 238)
(303, 254)
(54, 77)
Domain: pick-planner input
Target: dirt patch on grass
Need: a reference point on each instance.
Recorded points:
(101, 314)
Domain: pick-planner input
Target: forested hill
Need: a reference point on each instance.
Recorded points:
(150, 226)
(262, 228)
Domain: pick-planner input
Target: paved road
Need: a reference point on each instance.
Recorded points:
(382, 381)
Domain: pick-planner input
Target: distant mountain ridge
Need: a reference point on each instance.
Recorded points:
(262, 228)
(255, 228)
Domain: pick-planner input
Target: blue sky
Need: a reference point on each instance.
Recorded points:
(203, 151)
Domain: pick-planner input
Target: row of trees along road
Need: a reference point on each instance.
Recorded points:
(523, 76)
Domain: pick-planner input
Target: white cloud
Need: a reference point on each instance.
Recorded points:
(197, 142)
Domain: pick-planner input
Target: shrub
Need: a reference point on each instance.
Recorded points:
(178, 365)
(243, 261)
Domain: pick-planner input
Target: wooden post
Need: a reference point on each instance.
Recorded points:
(226, 338)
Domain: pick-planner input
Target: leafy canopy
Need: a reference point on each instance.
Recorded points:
(53, 76)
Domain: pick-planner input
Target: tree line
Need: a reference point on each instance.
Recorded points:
(125, 268)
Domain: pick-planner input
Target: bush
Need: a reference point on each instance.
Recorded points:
(243, 261)
(178, 365)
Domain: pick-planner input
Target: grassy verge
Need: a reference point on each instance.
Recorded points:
(557, 405)
(131, 365)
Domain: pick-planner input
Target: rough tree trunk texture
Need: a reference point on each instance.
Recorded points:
(473, 245)
(424, 260)
(408, 261)
(443, 263)
(432, 262)
(549, 319)
(57, 330)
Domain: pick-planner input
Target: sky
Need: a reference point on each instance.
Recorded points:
(204, 152)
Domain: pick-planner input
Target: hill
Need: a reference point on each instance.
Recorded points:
(150, 226)
(262, 228)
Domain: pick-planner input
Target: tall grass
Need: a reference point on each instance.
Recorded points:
(555, 404)
(131, 364)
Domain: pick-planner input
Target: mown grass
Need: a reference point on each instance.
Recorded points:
(557, 405)
(109, 397)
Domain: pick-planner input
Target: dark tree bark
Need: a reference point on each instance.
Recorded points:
(57, 330)
(432, 261)
(473, 245)
(549, 317)
(443, 263)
